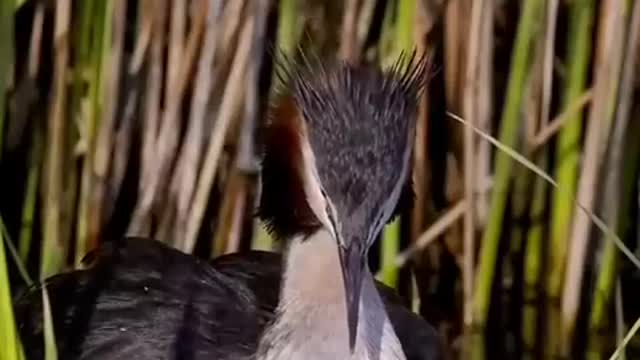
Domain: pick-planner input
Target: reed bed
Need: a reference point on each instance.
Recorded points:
(143, 118)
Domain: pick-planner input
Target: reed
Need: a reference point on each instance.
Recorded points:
(404, 41)
(529, 25)
(567, 162)
(11, 350)
(623, 157)
(6, 60)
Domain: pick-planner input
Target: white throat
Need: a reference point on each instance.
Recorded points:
(311, 319)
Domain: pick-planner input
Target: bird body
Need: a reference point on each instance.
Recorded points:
(141, 299)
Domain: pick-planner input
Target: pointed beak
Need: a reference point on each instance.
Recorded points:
(352, 263)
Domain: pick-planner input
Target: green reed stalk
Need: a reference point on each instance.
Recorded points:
(567, 159)
(528, 27)
(31, 196)
(390, 243)
(98, 25)
(6, 60)
(10, 349)
(533, 258)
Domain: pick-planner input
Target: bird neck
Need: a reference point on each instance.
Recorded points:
(311, 319)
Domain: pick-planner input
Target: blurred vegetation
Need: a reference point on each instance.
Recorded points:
(141, 118)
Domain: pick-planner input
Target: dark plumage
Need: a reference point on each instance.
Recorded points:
(144, 300)
(283, 205)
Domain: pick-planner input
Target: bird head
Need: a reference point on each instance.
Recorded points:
(337, 156)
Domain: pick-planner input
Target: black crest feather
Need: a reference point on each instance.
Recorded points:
(359, 121)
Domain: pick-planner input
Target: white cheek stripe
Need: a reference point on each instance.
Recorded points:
(311, 181)
(392, 200)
